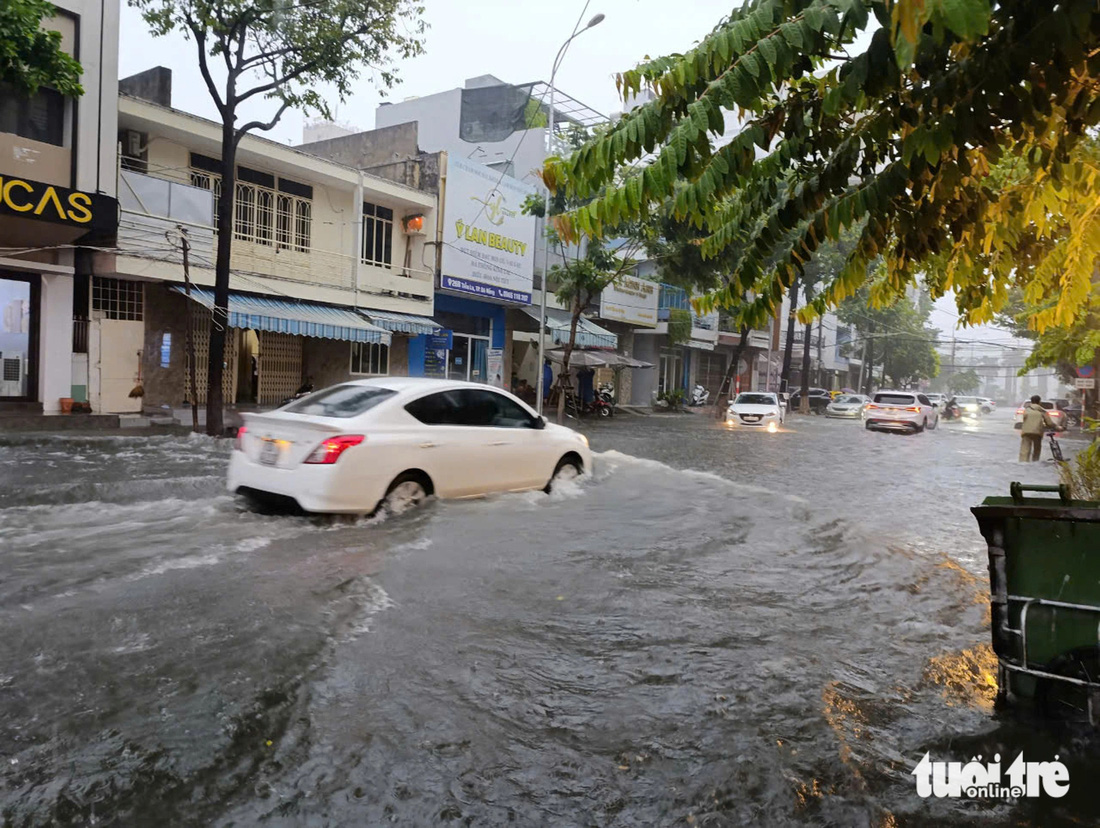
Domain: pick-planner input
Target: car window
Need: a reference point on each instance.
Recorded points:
(894, 399)
(340, 401)
(923, 399)
(850, 399)
(440, 408)
(754, 399)
(490, 409)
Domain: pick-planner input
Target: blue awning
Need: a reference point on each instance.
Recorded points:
(589, 334)
(401, 322)
(290, 316)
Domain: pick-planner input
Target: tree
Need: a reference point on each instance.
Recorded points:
(964, 382)
(898, 138)
(31, 56)
(284, 52)
(584, 271)
(898, 336)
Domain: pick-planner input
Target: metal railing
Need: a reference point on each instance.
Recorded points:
(80, 336)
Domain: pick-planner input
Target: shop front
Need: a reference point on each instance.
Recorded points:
(40, 227)
(469, 345)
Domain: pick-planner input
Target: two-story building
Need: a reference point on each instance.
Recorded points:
(332, 269)
(57, 200)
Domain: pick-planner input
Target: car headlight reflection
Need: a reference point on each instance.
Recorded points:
(773, 427)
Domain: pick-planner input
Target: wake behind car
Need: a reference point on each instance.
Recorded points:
(756, 409)
(394, 441)
(847, 406)
(900, 411)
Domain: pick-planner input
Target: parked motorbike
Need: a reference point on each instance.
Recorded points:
(606, 392)
(699, 396)
(599, 407)
(304, 391)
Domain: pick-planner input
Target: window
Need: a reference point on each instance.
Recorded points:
(377, 235)
(923, 399)
(118, 299)
(41, 117)
(341, 401)
(267, 210)
(371, 358)
(487, 408)
(894, 399)
(440, 408)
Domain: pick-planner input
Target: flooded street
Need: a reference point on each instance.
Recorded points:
(714, 628)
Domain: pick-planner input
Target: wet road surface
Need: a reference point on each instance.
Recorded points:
(715, 628)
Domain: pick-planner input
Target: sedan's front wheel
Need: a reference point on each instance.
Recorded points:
(568, 468)
(406, 492)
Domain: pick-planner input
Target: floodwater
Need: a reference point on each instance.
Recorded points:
(714, 628)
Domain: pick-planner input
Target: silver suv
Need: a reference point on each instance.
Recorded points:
(900, 411)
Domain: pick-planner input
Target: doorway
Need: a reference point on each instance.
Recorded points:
(18, 337)
(670, 371)
(468, 358)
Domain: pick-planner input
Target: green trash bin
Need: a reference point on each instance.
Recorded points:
(1044, 578)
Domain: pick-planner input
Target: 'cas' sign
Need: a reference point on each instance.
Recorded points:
(59, 205)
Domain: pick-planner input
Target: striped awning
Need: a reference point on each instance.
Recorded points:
(589, 334)
(401, 322)
(290, 316)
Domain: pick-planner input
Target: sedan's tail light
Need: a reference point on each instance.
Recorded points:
(1019, 411)
(329, 451)
(239, 445)
(914, 408)
(872, 405)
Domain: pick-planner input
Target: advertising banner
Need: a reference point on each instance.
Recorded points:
(488, 244)
(496, 367)
(630, 300)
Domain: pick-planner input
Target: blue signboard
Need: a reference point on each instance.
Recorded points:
(442, 341)
(487, 291)
(436, 347)
(166, 350)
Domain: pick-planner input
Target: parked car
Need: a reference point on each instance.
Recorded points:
(848, 406)
(394, 441)
(900, 410)
(756, 409)
(819, 398)
(1057, 415)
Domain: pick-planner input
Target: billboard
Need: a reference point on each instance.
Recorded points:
(488, 244)
(630, 300)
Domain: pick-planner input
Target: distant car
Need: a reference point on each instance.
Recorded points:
(756, 409)
(847, 406)
(938, 400)
(972, 406)
(900, 411)
(394, 441)
(1057, 415)
(988, 405)
(819, 398)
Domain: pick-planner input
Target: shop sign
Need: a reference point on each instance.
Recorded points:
(436, 347)
(58, 205)
(630, 300)
(489, 244)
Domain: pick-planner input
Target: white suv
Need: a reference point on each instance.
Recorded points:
(900, 411)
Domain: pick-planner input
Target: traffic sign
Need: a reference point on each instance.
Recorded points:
(1085, 384)
(1086, 371)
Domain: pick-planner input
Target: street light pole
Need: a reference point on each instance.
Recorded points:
(540, 382)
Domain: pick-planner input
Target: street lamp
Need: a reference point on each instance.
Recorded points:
(540, 385)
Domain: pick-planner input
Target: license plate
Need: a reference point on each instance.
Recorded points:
(269, 453)
(751, 418)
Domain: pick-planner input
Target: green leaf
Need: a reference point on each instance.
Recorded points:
(767, 49)
(968, 19)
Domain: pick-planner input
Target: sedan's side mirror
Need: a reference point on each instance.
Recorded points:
(539, 423)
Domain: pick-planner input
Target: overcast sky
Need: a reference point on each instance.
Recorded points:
(516, 40)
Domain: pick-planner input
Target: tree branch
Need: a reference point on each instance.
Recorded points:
(200, 41)
(260, 125)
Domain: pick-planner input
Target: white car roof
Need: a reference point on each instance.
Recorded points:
(417, 383)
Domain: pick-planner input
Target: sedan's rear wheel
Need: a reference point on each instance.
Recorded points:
(568, 468)
(406, 492)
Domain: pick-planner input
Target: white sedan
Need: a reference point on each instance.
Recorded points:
(756, 409)
(392, 442)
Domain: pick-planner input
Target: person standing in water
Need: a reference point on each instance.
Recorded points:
(1035, 424)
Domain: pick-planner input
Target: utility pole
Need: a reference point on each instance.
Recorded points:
(862, 365)
(190, 339)
(885, 357)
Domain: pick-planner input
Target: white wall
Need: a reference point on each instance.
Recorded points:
(55, 341)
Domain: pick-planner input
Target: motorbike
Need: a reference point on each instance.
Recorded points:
(606, 392)
(699, 396)
(599, 406)
(304, 391)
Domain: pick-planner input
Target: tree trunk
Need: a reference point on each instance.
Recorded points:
(870, 361)
(788, 348)
(731, 372)
(885, 358)
(190, 338)
(563, 377)
(804, 400)
(215, 403)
